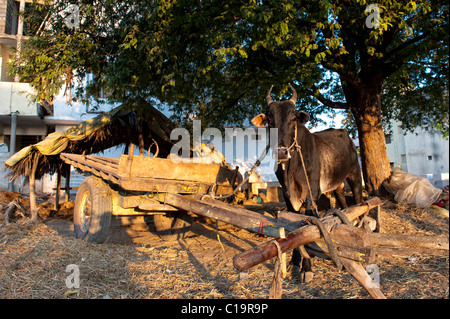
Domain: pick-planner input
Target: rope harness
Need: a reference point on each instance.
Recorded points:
(257, 163)
(298, 148)
(314, 220)
(326, 236)
(276, 287)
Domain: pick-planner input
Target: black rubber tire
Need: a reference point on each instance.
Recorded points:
(173, 226)
(93, 210)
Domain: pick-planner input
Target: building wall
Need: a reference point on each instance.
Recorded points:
(424, 153)
(5, 55)
(427, 152)
(3, 7)
(396, 148)
(14, 98)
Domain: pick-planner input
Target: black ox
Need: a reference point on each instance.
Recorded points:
(329, 158)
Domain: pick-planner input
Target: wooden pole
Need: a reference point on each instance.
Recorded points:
(301, 236)
(361, 275)
(58, 190)
(229, 214)
(409, 241)
(283, 256)
(130, 159)
(32, 182)
(67, 194)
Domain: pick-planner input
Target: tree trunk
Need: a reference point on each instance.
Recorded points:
(32, 184)
(365, 104)
(374, 159)
(57, 190)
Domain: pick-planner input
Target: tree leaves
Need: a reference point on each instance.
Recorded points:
(215, 60)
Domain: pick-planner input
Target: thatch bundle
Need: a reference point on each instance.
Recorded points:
(138, 123)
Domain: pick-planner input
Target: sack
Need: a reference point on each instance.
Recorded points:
(411, 188)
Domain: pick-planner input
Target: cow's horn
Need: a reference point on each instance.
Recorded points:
(268, 97)
(293, 99)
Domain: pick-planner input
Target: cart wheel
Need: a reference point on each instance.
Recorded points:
(92, 211)
(173, 226)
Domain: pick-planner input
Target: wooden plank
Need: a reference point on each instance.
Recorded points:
(390, 252)
(410, 241)
(351, 242)
(87, 164)
(143, 202)
(301, 236)
(125, 164)
(128, 178)
(351, 236)
(149, 167)
(361, 275)
(356, 253)
(162, 186)
(249, 220)
(111, 160)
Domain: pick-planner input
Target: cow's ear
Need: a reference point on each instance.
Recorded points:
(303, 117)
(260, 120)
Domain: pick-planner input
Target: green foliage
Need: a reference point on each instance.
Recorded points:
(215, 60)
(417, 94)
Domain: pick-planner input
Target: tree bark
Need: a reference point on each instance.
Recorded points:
(57, 190)
(365, 104)
(32, 184)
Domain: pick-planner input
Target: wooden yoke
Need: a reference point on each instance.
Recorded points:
(301, 236)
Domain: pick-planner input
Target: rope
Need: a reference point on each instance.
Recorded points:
(261, 227)
(299, 150)
(276, 288)
(257, 163)
(339, 214)
(328, 241)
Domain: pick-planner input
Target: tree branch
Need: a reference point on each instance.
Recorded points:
(404, 45)
(328, 102)
(344, 73)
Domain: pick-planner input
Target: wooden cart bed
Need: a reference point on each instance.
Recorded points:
(140, 173)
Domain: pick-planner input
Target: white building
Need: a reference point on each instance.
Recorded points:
(31, 125)
(23, 121)
(423, 152)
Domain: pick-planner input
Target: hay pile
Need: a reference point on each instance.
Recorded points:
(135, 122)
(34, 260)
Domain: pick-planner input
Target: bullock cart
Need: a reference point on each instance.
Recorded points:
(172, 192)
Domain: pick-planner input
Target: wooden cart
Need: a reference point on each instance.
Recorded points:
(171, 192)
(137, 185)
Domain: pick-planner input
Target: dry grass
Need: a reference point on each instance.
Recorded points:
(34, 258)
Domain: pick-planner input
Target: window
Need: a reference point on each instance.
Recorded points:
(98, 97)
(387, 139)
(430, 158)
